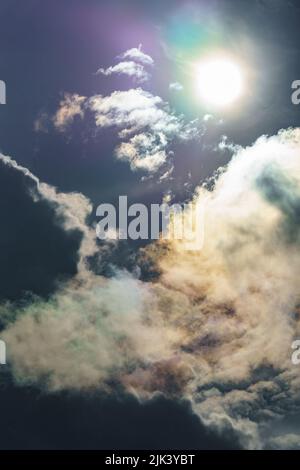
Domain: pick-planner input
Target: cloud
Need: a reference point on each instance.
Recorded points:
(40, 244)
(133, 65)
(175, 86)
(208, 117)
(82, 337)
(72, 210)
(144, 151)
(216, 327)
(235, 300)
(137, 55)
(146, 124)
(70, 107)
(130, 68)
(133, 110)
(285, 442)
(147, 120)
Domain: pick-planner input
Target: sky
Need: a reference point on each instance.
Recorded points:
(140, 344)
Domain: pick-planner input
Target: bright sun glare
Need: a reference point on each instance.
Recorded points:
(219, 81)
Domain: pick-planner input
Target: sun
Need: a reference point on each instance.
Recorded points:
(219, 81)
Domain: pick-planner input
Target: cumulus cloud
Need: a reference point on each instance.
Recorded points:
(84, 336)
(147, 120)
(133, 110)
(240, 293)
(146, 124)
(144, 150)
(216, 327)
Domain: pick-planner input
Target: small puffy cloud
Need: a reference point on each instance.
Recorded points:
(137, 55)
(133, 65)
(147, 120)
(176, 86)
(70, 106)
(145, 123)
(133, 110)
(144, 151)
(208, 117)
(224, 144)
(130, 68)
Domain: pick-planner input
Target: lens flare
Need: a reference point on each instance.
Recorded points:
(219, 82)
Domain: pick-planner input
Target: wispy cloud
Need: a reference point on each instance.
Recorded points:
(147, 120)
(138, 55)
(130, 68)
(176, 86)
(133, 65)
(145, 123)
(69, 107)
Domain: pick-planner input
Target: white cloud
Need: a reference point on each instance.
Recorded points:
(147, 120)
(208, 117)
(133, 65)
(216, 327)
(145, 123)
(235, 299)
(176, 86)
(83, 337)
(144, 151)
(133, 110)
(130, 68)
(138, 55)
